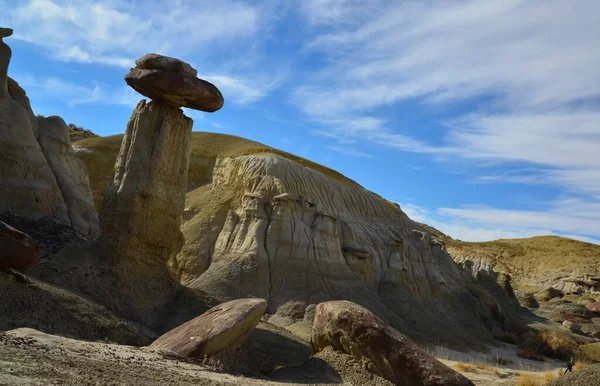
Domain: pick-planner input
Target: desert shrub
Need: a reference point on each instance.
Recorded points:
(589, 352)
(550, 343)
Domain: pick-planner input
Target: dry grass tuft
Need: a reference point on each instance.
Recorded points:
(589, 352)
(581, 364)
(466, 367)
(526, 379)
(550, 343)
(550, 376)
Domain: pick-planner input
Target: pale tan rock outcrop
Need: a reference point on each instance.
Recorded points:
(142, 207)
(268, 227)
(18, 94)
(260, 222)
(27, 187)
(71, 175)
(355, 330)
(225, 326)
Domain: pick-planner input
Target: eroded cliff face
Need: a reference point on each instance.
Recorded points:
(40, 174)
(268, 227)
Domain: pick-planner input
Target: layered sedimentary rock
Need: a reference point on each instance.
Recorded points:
(535, 263)
(41, 175)
(142, 206)
(28, 185)
(71, 175)
(259, 222)
(268, 227)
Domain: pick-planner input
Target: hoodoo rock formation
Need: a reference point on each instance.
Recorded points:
(41, 175)
(142, 207)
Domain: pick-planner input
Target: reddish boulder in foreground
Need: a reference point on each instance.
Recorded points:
(17, 250)
(355, 330)
(224, 326)
(594, 307)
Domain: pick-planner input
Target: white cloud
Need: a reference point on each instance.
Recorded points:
(246, 90)
(350, 152)
(534, 61)
(485, 224)
(117, 32)
(75, 94)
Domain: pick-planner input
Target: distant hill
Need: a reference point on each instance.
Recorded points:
(205, 146)
(535, 262)
(77, 133)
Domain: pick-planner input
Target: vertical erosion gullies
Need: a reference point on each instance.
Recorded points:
(347, 244)
(27, 185)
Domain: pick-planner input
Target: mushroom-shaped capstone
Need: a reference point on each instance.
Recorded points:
(173, 82)
(5, 32)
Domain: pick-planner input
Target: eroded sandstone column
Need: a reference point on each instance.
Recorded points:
(142, 207)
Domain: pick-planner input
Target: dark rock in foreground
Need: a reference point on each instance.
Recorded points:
(224, 326)
(355, 330)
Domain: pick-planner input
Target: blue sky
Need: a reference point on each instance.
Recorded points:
(481, 118)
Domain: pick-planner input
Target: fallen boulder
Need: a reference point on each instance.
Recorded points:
(17, 250)
(526, 299)
(594, 307)
(355, 330)
(549, 293)
(224, 326)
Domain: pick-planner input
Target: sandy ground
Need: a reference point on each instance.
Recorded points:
(487, 372)
(29, 357)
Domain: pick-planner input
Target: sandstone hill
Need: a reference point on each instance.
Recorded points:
(262, 222)
(77, 133)
(535, 263)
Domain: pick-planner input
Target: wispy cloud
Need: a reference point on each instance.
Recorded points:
(117, 32)
(485, 224)
(249, 89)
(533, 62)
(75, 94)
(350, 152)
